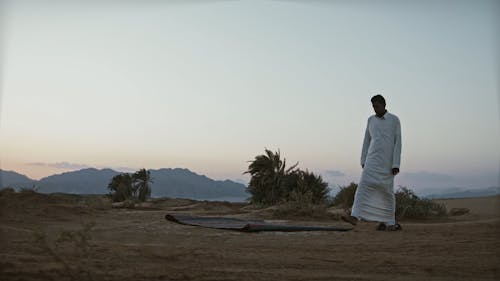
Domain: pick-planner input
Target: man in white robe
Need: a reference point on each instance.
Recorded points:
(374, 199)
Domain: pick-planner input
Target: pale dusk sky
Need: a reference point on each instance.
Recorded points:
(207, 85)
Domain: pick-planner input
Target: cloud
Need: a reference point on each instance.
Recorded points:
(37, 164)
(61, 165)
(122, 169)
(67, 165)
(333, 173)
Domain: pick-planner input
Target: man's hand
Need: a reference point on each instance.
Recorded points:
(395, 171)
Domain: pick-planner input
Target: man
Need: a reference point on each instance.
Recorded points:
(374, 199)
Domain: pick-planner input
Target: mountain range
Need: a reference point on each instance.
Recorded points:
(180, 183)
(460, 192)
(174, 183)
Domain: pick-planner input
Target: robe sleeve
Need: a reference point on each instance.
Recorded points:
(396, 156)
(366, 144)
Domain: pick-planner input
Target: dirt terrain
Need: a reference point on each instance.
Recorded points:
(70, 237)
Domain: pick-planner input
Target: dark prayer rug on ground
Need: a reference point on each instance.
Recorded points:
(245, 225)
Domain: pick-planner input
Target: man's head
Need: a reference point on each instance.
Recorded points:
(378, 103)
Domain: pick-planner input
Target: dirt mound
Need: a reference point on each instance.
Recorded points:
(50, 205)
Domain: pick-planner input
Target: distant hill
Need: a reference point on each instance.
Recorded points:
(85, 181)
(183, 183)
(15, 180)
(176, 183)
(462, 193)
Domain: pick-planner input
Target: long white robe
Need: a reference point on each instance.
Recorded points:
(374, 199)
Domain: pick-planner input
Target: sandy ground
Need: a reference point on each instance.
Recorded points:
(66, 237)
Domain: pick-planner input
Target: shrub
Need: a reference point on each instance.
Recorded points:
(7, 190)
(269, 178)
(26, 190)
(272, 183)
(120, 187)
(301, 205)
(312, 185)
(345, 197)
(409, 205)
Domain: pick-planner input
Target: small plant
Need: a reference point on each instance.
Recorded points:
(345, 197)
(7, 190)
(26, 190)
(307, 183)
(301, 205)
(409, 205)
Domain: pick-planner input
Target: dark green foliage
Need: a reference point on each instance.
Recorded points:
(33, 189)
(273, 183)
(308, 183)
(126, 187)
(7, 190)
(267, 184)
(409, 205)
(121, 188)
(345, 197)
(301, 205)
(141, 187)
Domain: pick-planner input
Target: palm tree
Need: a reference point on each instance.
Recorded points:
(268, 173)
(120, 187)
(141, 180)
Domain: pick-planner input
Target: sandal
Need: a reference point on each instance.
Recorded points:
(349, 219)
(396, 227)
(381, 227)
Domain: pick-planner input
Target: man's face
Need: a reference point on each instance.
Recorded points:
(379, 108)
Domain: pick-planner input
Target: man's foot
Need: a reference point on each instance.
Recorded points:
(395, 227)
(381, 227)
(349, 219)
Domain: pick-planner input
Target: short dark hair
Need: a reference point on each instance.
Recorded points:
(379, 99)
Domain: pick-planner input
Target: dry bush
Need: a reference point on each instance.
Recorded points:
(272, 182)
(409, 205)
(25, 190)
(7, 191)
(127, 204)
(345, 197)
(100, 202)
(300, 205)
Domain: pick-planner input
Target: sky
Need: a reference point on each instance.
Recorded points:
(208, 85)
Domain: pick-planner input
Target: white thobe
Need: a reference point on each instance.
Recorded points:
(374, 199)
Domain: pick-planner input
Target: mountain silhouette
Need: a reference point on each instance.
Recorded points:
(176, 183)
(85, 181)
(183, 183)
(15, 180)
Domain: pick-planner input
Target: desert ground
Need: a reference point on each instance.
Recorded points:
(71, 237)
